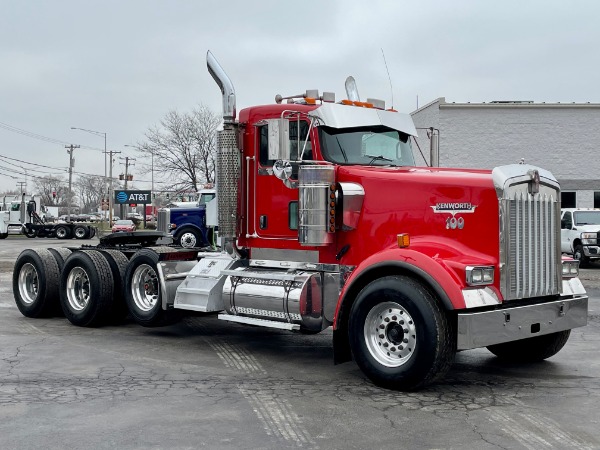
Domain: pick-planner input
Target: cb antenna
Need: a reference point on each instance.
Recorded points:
(389, 78)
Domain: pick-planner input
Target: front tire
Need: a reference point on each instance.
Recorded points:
(531, 349)
(188, 238)
(400, 336)
(579, 255)
(143, 291)
(35, 283)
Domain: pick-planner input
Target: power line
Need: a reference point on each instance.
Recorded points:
(40, 137)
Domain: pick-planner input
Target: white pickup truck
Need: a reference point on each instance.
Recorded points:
(580, 234)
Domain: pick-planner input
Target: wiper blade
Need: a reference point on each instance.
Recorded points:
(379, 158)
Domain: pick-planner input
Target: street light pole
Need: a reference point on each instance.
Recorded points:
(106, 186)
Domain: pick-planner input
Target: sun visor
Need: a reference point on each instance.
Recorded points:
(344, 116)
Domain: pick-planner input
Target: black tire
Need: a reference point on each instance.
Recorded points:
(143, 293)
(579, 255)
(35, 283)
(118, 265)
(87, 288)
(62, 232)
(531, 349)
(400, 336)
(60, 255)
(92, 232)
(81, 232)
(3, 235)
(189, 238)
(30, 233)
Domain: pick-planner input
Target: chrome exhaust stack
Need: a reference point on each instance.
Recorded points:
(228, 157)
(226, 86)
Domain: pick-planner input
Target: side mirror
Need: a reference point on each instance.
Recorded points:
(279, 139)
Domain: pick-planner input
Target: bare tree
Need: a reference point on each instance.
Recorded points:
(89, 189)
(183, 147)
(52, 190)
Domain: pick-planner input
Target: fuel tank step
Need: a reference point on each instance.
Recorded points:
(259, 322)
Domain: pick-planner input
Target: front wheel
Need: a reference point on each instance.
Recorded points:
(579, 255)
(143, 291)
(400, 336)
(188, 239)
(531, 349)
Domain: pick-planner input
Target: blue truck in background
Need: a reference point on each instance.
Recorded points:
(187, 221)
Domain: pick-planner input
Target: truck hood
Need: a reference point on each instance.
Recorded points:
(589, 228)
(448, 213)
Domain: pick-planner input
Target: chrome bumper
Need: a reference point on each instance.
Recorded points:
(480, 329)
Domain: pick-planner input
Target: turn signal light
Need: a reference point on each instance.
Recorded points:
(403, 240)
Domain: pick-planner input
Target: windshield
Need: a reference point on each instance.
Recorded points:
(379, 146)
(587, 217)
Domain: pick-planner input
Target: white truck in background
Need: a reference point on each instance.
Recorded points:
(28, 217)
(580, 234)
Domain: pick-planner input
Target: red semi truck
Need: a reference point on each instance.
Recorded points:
(325, 221)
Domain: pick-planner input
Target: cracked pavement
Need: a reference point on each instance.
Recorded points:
(208, 383)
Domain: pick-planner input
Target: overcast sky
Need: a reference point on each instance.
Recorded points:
(119, 66)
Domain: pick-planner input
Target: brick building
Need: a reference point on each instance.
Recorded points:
(560, 137)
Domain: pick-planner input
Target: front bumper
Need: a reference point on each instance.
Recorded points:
(591, 251)
(480, 329)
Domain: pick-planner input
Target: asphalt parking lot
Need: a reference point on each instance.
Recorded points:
(205, 383)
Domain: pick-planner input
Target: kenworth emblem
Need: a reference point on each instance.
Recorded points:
(454, 222)
(534, 184)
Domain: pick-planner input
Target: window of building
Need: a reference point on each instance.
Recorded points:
(596, 199)
(568, 199)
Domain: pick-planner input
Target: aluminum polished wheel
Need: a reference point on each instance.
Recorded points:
(29, 283)
(78, 289)
(188, 240)
(390, 334)
(145, 287)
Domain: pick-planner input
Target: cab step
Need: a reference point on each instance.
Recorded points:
(259, 322)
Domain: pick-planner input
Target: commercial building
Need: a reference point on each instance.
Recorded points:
(560, 137)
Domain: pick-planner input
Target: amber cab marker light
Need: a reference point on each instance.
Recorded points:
(403, 240)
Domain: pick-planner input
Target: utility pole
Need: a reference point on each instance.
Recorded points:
(21, 184)
(127, 163)
(71, 164)
(111, 200)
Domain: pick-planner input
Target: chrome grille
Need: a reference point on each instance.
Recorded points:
(530, 245)
(164, 217)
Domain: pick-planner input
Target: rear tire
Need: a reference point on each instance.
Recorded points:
(62, 232)
(35, 283)
(143, 291)
(60, 255)
(80, 232)
(400, 336)
(118, 265)
(531, 349)
(87, 288)
(30, 233)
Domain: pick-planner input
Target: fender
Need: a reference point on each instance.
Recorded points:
(431, 270)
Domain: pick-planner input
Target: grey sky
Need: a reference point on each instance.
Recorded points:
(119, 66)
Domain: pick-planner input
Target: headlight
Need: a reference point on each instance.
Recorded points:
(480, 275)
(589, 238)
(570, 268)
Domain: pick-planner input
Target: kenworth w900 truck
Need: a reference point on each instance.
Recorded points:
(325, 221)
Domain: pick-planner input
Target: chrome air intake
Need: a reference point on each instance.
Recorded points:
(315, 215)
(530, 257)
